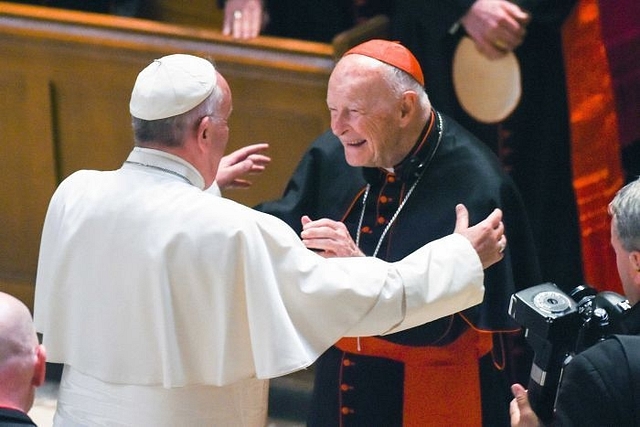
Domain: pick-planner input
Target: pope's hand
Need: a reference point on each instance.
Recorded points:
(487, 237)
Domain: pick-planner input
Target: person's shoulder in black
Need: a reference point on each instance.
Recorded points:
(597, 387)
(14, 418)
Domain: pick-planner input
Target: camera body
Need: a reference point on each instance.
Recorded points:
(559, 326)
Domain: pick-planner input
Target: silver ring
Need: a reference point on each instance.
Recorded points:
(237, 14)
(502, 247)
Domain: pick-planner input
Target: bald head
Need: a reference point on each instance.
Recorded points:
(17, 333)
(22, 359)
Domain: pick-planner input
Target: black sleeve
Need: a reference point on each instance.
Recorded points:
(595, 389)
(548, 12)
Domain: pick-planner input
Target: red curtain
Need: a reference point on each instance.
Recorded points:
(595, 140)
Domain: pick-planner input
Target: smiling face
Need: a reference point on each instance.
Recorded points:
(366, 115)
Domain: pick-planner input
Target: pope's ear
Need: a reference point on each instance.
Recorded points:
(203, 127)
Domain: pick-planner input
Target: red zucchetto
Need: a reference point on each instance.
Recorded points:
(392, 53)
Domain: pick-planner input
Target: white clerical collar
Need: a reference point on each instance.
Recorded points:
(166, 162)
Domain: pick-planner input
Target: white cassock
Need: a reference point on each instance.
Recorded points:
(170, 305)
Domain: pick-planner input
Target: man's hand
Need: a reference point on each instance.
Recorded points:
(246, 160)
(243, 19)
(496, 26)
(329, 238)
(520, 410)
(487, 237)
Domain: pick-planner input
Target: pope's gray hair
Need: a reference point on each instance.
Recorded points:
(173, 131)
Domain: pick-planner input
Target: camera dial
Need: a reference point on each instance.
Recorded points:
(551, 302)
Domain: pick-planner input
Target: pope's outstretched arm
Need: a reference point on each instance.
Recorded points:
(443, 277)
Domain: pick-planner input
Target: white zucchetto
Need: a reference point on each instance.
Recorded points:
(171, 85)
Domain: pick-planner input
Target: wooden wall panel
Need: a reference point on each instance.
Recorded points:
(26, 174)
(92, 122)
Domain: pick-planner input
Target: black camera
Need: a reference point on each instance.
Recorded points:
(559, 326)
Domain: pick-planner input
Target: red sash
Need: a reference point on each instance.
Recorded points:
(432, 375)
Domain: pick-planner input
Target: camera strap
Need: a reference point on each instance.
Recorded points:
(630, 345)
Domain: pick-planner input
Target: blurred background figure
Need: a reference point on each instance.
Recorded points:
(533, 142)
(313, 20)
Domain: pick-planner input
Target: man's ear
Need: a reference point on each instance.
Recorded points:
(40, 368)
(203, 133)
(203, 128)
(408, 104)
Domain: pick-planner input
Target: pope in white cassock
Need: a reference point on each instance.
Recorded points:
(171, 305)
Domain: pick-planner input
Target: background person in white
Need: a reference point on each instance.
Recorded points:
(169, 305)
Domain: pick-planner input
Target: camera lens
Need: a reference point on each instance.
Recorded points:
(551, 302)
